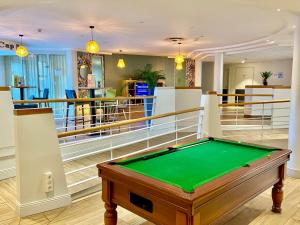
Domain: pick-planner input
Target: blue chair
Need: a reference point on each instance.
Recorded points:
(45, 96)
(71, 94)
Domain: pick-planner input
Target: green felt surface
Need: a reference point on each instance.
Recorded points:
(196, 165)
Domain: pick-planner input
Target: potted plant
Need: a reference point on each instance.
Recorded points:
(265, 76)
(151, 78)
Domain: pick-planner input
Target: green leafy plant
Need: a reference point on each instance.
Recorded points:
(266, 75)
(149, 76)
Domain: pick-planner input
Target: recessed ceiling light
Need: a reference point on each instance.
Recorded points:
(243, 61)
(294, 26)
(278, 10)
(272, 42)
(267, 40)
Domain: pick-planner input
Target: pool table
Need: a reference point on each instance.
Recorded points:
(196, 183)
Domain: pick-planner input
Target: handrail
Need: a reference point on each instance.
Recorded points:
(80, 99)
(245, 95)
(125, 122)
(253, 103)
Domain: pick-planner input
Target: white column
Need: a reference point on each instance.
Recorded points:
(37, 156)
(218, 72)
(210, 116)
(294, 125)
(198, 73)
(7, 135)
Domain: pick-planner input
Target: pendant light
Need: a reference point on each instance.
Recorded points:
(179, 66)
(21, 51)
(92, 46)
(179, 58)
(121, 63)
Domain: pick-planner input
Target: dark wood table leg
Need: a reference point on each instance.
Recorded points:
(21, 93)
(277, 196)
(93, 108)
(110, 215)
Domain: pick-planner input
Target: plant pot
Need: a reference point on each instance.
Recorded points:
(148, 105)
(265, 82)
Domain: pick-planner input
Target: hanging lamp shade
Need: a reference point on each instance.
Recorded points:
(121, 63)
(179, 58)
(21, 51)
(92, 46)
(179, 66)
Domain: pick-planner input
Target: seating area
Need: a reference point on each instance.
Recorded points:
(143, 113)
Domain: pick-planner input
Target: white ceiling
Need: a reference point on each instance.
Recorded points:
(141, 27)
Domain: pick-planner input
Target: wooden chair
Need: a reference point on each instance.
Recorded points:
(71, 94)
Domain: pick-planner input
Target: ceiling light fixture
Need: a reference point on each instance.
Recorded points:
(92, 46)
(278, 10)
(121, 63)
(243, 61)
(179, 66)
(294, 26)
(21, 51)
(179, 58)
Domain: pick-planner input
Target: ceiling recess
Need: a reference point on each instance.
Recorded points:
(175, 39)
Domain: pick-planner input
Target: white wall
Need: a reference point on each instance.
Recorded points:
(207, 79)
(2, 71)
(276, 66)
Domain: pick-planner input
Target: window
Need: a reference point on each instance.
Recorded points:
(39, 71)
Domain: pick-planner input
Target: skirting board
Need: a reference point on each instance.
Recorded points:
(7, 173)
(293, 173)
(30, 208)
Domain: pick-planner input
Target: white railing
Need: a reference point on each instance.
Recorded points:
(176, 127)
(266, 118)
(72, 114)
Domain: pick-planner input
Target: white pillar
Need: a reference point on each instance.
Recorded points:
(218, 72)
(7, 135)
(37, 156)
(294, 125)
(198, 73)
(210, 116)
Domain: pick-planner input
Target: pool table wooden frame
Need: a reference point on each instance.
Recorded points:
(208, 203)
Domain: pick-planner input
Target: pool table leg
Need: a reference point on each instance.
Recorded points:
(110, 215)
(277, 196)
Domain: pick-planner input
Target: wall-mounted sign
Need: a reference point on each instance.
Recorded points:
(8, 45)
(279, 75)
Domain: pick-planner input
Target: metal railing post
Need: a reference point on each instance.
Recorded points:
(262, 120)
(176, 130)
